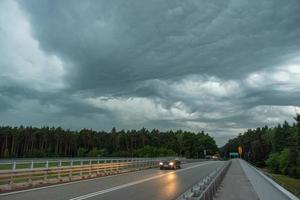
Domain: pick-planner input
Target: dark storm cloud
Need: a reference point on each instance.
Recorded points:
(221, 66)
(114, 43)
(4, 104)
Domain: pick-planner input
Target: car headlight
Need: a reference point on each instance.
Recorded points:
(161, 163)
(171, 163)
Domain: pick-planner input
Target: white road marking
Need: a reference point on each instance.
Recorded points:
(133, 183)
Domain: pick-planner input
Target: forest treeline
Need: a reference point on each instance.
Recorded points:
(57, 142)
(277, 148)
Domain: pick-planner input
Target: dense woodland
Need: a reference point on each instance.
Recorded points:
(57, 142)
(277, 148)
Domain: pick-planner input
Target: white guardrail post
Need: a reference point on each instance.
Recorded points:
(71, 170)
(14, 165)
(59, 167)
(81, 164)
(90, 168)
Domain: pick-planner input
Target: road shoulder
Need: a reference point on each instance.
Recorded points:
(235, 185)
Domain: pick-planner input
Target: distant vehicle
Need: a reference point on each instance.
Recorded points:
(214, 157)
(170, 164)
(208, 157)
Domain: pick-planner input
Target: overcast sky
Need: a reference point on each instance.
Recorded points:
(221, 66)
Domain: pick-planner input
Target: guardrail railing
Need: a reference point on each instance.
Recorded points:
(11, 164)
(48, 163)
(207, 187)
(18, 178)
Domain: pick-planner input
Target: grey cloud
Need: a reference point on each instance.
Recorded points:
(113, 44)
(4, 104)
(188, 61)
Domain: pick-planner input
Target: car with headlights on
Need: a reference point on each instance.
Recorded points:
(170, 164)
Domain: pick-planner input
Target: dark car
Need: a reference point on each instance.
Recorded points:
(170, 164)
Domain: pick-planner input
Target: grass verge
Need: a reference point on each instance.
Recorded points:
(289, 183)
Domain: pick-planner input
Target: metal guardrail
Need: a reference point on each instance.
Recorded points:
(207, 187)
(21, 160)
(15, 164)
(20, 178)
(265, 187)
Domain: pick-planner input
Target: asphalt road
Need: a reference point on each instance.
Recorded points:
(152, 184)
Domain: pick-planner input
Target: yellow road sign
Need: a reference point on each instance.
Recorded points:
(240, 150)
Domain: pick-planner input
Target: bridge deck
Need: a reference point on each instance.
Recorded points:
(236, 185)
(152, 184)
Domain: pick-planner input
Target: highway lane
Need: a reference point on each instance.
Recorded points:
(152, 184)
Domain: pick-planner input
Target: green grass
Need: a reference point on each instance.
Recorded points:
(289, 183)
(8, 166)
(5, 166)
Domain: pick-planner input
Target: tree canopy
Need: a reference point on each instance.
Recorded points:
(55, 142)
(278, 148)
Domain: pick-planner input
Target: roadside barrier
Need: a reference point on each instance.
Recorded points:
(12, 179)
(207, 187)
